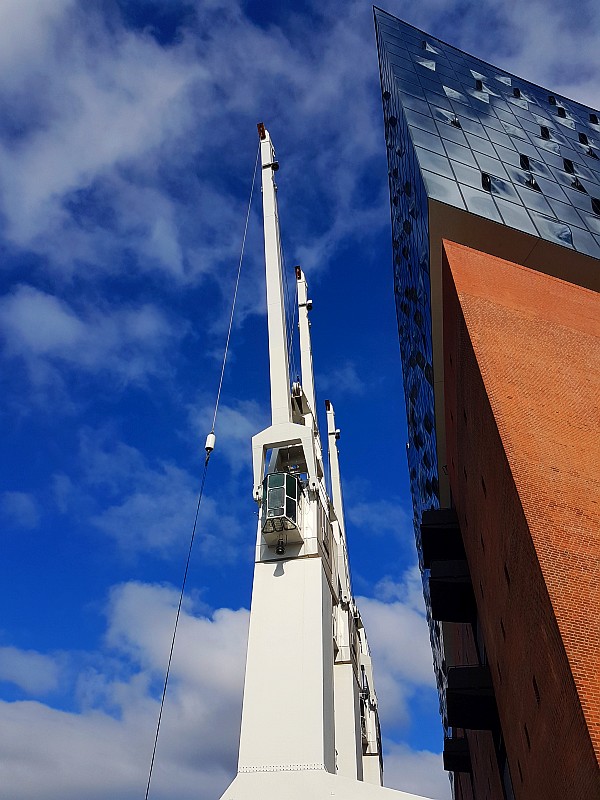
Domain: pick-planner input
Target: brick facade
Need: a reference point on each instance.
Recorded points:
(522, 404)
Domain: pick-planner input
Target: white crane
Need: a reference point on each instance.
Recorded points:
(310, 726)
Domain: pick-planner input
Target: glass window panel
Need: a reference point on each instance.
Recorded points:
(499, 104)
(542, 120)
(466, 111)
(446, 70)
(565, 212)
(448, 131)
(551, 159)
(481, 145)
(428, 140)
(490, 121)
(434, 162)
(515, 216)
(420, 120)
(290, 509)
(527, 149)
(579, 199)
(490, 165)
(591, 221)
(506, 116)
(550, 189)
(584, 172)
(402, 63)
(480, 203)
(508, 156)
(415, 103)
(534, 200)
(458, 153)
(514, 130)
(426, 63)
(546, 144)
(442, 189)
(499, 138)
(504, 189)
(552, 230)
(407, 85)
(276, 498)
(454, 94)
(585, 242)
(470, 127)
(276, 479)
(529, 126)
(481, 97)
(566, 123)
(467, 175)
(518, 101)
(539, 168)
(441, 101)
(291, 486)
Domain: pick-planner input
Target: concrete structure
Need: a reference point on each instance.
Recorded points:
(495, 201)
(310, 725)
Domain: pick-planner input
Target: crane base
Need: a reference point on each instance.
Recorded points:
(303, 784)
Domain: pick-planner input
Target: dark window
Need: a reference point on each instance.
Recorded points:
(517, 92)
(552, 99)
(479, 85)
(455, 121)
(545, 133)
(524, 161)
(561, 112)
(386, 95)
(569, 166)
(596, 205)
(583, 138)
(392, 121)
(486, 181)
(594, 118)
(577, 184)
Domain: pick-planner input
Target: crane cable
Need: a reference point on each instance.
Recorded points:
(210, 443)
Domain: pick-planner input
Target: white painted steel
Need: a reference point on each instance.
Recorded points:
(287, 713)
(278, 351)
(306, 360)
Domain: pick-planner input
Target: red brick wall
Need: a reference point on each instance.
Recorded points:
(522, 397)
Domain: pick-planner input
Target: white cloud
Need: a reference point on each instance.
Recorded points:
(33, 672)
(343, 379)
(408, 590)
(381, 516)
(418, 771)
(103, 750)
(149, 506)
(237, 422)
(21, 508)
(402, 662)
(48, 335)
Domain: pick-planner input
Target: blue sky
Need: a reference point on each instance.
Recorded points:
(127, 143)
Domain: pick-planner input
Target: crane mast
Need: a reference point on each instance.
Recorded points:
(310, 725)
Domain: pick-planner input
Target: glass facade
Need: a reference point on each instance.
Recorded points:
(473, 137)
